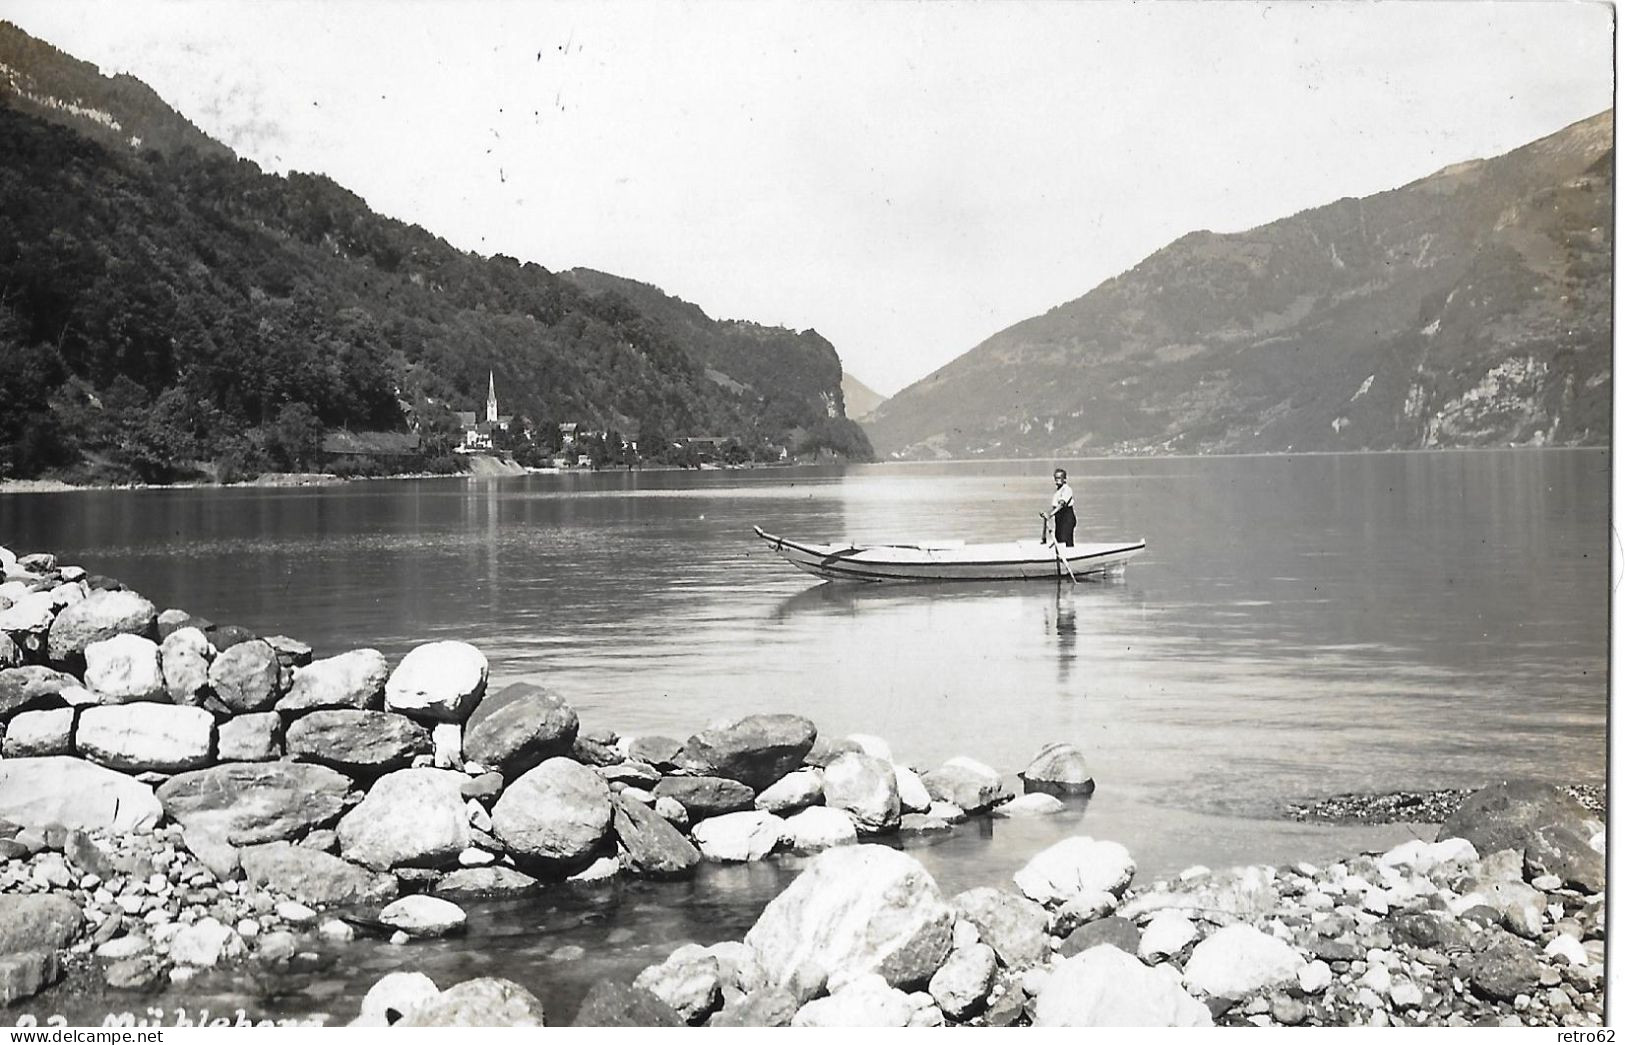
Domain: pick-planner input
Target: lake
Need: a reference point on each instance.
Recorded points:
(1298, 626)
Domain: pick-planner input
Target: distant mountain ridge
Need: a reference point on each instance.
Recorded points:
(1469, 308)
(169, 305)
(861, 400)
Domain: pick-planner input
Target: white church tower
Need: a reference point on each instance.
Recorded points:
(491, 399)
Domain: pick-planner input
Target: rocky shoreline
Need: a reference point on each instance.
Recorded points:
(177, 795)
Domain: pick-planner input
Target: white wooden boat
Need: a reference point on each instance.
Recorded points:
(952, 560)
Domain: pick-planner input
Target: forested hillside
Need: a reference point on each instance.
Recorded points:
(169, 310)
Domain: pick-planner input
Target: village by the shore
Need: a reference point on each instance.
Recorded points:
(178, 795)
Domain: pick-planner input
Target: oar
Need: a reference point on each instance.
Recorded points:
(1057, 546)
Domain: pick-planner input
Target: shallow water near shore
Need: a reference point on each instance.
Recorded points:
(1299, 626)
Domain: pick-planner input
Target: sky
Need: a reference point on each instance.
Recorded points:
(907, 178)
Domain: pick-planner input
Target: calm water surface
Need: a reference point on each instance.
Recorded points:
(1298, 626)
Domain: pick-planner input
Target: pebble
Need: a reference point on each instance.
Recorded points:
(295, 913)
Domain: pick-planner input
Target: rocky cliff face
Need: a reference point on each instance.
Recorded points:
(1469, 308)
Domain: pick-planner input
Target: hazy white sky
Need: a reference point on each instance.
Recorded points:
(906, 177)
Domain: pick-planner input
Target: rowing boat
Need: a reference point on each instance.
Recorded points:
(952, 560)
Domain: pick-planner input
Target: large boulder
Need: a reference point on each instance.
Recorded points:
(245, 803)
(247, 677)
(1074, 866)
(1059, 769)
(353, 680)
(312, 876)
(485, 1002)
(855, 910)
(250, 738)
(37, 923)
(38, 792)
(36, 733)
(966, 783)
(755, 750)
(420, 915)
(1016, 928)
(1504, 967)
(27, 619)
(1239, 960)
(410, 818)
(32, 686)
(706, 796)
(394, 995)
(749, 834)
(611, 1004)
(142, 737)
(911, 792)
(961, 986)
(361, 742)
(101, 615)
(1510, 815)
(1561, 850)
(438, 681)
(555, 813)
(184, 659)
(797, 790)
(124, 669)
(653, 847)
(1103, 987)
(26, 974)
(478, 883)
(864, 1001)
(529, 726)
(866, 788)
(689, 981)
(818, 827)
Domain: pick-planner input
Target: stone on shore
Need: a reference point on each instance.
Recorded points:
(438, 681)
(184, 659)
(353, 681)
(1563, 851)
(652, 845)
(1113, 930)
(100, 615)
(410, 818)
(818, 827)
(250, 738)
(32, 686)
(866, 788)
(961, 986)
(966, 783)
(26, 974)
(26, 621)
(1058, 769)
(35, 734)
(247, 677)
(1103, 987)
(1034, 803)
(756, 750)
(250, 802)
(556, 813)
(142, 737)
(360, 742)
(393, 996)
(851, 911)
(204, 943)
(793, 791)
(37, 922)
(529, 726)
(865, 1001)
(1014, 926)
(423, 916)
(74, 793)
(479, 883)
(1074, 866)
(1505, 968)
(1510, 815)
(762, 1007)
(656, 750)
(923, 824)
(738, 837)
(689, 982)
(706, 796)
(312, 876)
(1167, 934)
(125, 669)
(611, 1004)
(485, 1002)
(827, 749)
(912, 795)
(1238, 961)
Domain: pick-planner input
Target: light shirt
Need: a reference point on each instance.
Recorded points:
(1062, 498)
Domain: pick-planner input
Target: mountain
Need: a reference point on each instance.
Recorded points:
(1469, 308)
(169, 310)
(861, 400)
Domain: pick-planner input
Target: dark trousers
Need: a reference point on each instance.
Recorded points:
(1065, 522)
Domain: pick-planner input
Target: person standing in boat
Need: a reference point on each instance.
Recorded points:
(1061, 510)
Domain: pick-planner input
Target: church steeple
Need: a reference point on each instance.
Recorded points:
(491, 399)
